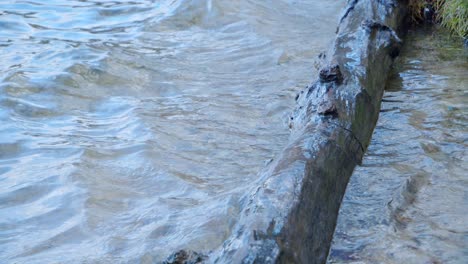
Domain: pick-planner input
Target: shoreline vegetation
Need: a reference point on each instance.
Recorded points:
(451, 14)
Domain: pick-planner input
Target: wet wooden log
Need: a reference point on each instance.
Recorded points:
(291, 216)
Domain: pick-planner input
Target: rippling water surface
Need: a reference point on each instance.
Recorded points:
(129, 129)
(408, 202)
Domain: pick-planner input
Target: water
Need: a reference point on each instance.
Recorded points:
(130, 129)
(408, 202)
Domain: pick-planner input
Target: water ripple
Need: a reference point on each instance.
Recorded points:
(131, 129)
(407, 202)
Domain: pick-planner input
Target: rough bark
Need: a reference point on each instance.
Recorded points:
(291, 216)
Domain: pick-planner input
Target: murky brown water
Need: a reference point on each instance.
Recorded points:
(129, 129)
(408, 203)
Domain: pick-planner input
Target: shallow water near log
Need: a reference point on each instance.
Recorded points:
(408, 202)
(130, 129)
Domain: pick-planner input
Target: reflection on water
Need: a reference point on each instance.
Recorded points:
(129, 129)
(408, 202)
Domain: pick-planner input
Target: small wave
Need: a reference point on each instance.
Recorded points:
(405, 198)
(125, 122)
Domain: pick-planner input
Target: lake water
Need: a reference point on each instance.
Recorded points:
(130, 129)
(408, 203)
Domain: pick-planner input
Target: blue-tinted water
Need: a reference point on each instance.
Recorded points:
(129, 129)
(408, 203)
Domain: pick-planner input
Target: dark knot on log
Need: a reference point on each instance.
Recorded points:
(331, 74)
(372, 24)
(327, 108)
(185, 257)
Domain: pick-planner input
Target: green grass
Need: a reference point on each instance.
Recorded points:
(452, 14)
